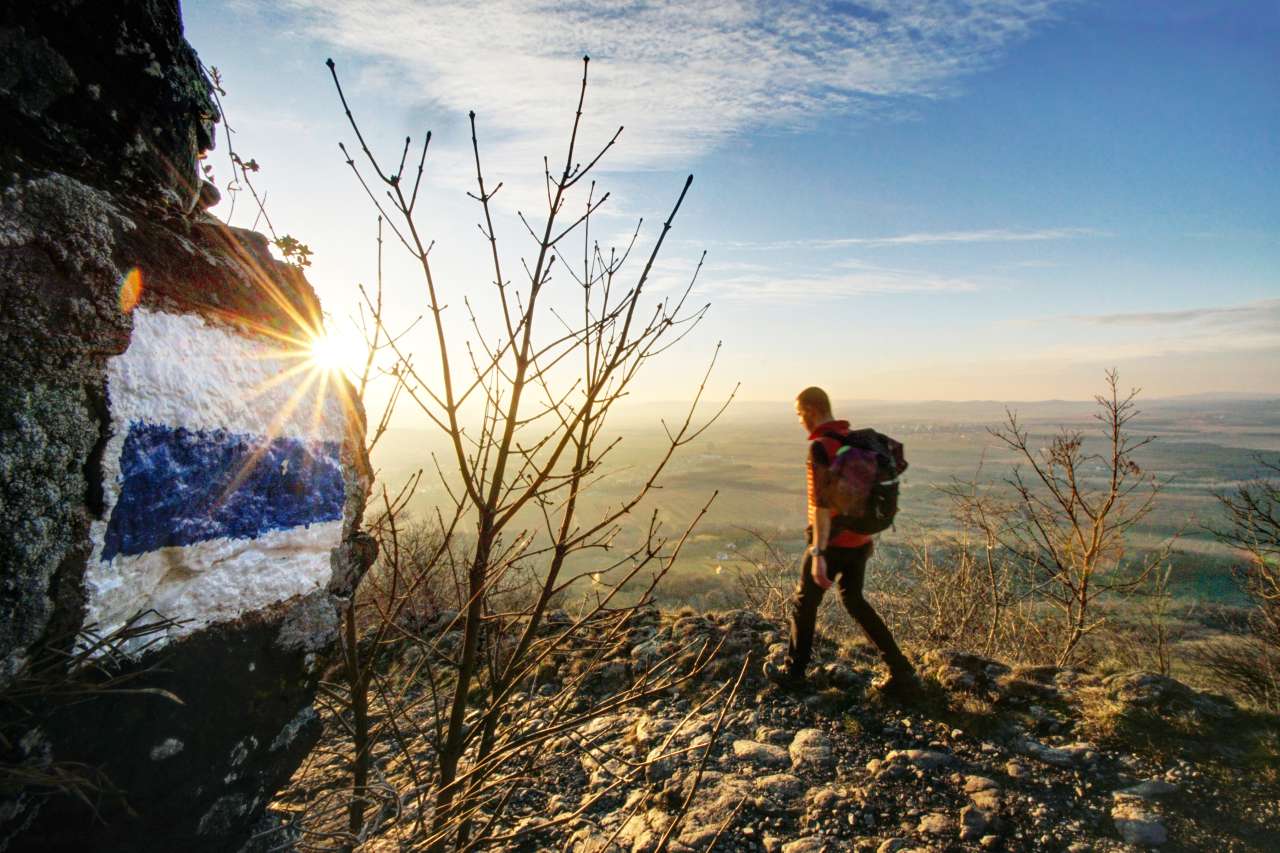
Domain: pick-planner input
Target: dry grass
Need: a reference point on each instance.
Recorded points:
(1243, 667)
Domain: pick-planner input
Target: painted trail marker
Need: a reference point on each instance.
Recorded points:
(222, 478)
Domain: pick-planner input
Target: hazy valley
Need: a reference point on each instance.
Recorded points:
(753, 456)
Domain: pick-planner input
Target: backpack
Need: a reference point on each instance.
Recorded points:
(863, 483)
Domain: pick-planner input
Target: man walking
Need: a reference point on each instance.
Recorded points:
(834, 554)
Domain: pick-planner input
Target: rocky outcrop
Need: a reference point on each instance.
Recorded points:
(837, 767)
(180, 503)
(110, 94)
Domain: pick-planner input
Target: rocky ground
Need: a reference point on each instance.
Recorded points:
(990, 757)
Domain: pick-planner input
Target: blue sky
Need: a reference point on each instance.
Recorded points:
(899, 200)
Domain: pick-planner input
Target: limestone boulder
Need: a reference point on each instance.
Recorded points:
(181, 509)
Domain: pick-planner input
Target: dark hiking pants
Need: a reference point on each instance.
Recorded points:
(847, 567)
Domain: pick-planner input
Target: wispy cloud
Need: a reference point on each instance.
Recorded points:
(1246, 327)
(860, 280)
(683, 76)
(1261, 314)
(928, 238)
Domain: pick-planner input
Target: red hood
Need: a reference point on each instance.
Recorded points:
(830, 426)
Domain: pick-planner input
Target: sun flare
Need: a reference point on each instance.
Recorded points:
(333, 352)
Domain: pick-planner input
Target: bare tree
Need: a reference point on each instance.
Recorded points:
(1073, 511)
(524, 405)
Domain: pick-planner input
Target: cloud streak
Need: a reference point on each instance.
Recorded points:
(684, 77)
(863, 281)
(991, 235)
(1261, 314)
(1247, 327)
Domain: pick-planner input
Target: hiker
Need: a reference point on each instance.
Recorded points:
(835, 554)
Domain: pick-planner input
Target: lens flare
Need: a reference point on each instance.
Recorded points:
(130, 290)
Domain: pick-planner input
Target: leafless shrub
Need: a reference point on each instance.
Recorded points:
(954, 590)
(1250, 665)
(526, 421)
(418, 550)
(1253, 527)
(1243, 666)
(1155, 607)
(766, 576)
(1153, 631)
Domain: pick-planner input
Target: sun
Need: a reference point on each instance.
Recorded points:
(334, 352)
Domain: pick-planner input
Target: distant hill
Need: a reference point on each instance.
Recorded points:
(979, 411)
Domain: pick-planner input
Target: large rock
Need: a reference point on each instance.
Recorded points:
(811, 750)
(926, 760)
(1137, 824)
(108, 93)
(1162, 696)
(167, 481)
(1070, 755)
(761, 754)
(782, 787)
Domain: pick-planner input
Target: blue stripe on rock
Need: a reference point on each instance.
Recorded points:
(174, 486)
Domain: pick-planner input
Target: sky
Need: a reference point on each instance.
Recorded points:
(907, 200)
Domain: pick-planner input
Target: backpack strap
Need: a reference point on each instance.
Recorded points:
(818, 453)
(818, 450)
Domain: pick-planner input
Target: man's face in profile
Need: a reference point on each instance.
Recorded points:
(806, 416)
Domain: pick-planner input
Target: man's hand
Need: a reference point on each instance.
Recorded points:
(818, 569)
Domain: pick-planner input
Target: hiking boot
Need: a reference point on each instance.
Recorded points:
(902, 685)
(784, 676)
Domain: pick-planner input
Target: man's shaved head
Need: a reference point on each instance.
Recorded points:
(815, 398)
